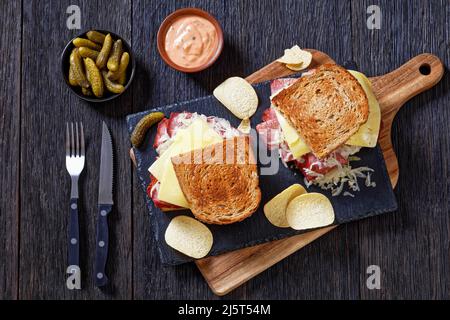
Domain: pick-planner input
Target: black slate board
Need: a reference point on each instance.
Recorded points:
(256, 229)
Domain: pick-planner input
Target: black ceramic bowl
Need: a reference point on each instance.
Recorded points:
(65, 64)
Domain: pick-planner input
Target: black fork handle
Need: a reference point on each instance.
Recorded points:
(74, 234)
(74, 282)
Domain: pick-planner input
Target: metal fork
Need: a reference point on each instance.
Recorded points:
(75, 156)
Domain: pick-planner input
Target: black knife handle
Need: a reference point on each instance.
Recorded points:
(74, 234)
(101, 245)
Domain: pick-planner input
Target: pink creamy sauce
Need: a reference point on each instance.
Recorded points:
(191, 41)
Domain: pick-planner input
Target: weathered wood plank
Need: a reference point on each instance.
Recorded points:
(410, 246)
(250, 44)
(10, 47)
(47, 105)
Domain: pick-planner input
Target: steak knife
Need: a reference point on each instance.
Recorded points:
(105, 203)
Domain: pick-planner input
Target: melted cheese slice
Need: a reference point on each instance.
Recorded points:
(367, 135)
(296, 144)
(170, 190)
(197, 136)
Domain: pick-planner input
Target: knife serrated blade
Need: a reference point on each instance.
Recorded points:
(106, 169)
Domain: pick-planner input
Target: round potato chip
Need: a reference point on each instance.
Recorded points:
(275, 209)
(238, 96)
(305, 57)
(310, 210)
(296, 59)
(189, 236)
(295, 67)
(290, 56)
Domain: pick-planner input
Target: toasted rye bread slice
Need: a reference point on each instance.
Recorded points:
(326, 108)
(220, 182)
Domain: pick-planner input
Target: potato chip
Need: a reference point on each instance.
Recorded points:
(295, 67)
(275, 209)
(189, 236)
(290, 56)
(296, 59)
(309, 210)
(305, 57)
(245, 126)
(238, 96)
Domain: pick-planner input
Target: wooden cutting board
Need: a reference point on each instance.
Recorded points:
(230, 270)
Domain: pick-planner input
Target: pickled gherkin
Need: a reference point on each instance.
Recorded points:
(111, 86)
(116, 53)
(80, 42)
(96, 36)
(103, 56)
(86, 52)
(78, 70)
(122, 78)
(86, 91)
(138, 135)
(124, 60)
(94, 77)
(72, 80)
(98, 64)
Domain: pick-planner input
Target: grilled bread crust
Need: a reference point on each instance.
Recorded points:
(220, 182)
(326, 108)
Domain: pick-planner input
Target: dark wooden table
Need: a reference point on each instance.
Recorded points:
(411, 246)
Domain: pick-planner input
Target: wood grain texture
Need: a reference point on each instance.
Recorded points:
(45, 184)
(10, 47)
(412, 246)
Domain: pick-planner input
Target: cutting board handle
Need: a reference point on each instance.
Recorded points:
(397, 87)
(394, 89)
